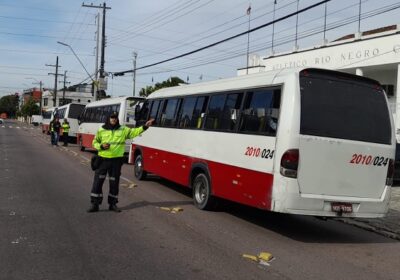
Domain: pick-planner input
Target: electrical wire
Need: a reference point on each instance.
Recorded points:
(229, 38)
(289, 39)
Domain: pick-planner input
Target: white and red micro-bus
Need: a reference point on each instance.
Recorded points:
(48, 116)
(310, 141)
(95, 113)
(71, 112)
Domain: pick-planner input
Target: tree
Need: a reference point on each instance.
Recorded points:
(9, 105)
(30, 108)
(171, 82)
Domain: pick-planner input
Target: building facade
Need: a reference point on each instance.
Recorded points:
(70, 96)
(374, 54)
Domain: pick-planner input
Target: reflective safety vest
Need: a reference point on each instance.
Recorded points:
(65, 127)
(116, 138)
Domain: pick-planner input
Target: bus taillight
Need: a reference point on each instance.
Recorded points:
(390, 173)
(289, 163)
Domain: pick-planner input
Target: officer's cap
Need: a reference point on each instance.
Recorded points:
(114, 115)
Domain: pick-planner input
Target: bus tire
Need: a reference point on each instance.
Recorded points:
(140, 173)
(202, 197)
(81, 147)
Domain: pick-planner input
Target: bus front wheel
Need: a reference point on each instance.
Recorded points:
(202, 197)
(140, 173)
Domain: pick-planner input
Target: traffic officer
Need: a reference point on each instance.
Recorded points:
(110, 144)
(65, 127)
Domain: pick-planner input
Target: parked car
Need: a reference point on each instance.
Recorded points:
(1, 121)
(36, 120)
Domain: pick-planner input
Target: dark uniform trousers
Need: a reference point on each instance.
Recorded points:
(112, 166)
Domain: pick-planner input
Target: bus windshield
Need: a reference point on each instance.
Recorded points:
(335, 106)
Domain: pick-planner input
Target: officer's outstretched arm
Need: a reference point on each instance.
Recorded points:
(133, 132)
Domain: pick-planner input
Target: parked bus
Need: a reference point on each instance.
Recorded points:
(95, 114)
(48, 116)
(71, 112)
(309, 142)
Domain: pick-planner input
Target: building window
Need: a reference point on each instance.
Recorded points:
(45, 101)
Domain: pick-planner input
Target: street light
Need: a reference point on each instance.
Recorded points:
(66, 45)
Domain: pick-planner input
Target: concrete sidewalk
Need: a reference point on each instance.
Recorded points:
(388, 226)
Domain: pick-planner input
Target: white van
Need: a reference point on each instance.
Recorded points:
(36, 120)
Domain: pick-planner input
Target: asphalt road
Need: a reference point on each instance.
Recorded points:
(47, 234)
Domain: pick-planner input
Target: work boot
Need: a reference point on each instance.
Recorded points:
(93, 208)
(114, 208)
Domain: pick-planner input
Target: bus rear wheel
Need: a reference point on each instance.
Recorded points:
(202, 197)
(140, 173)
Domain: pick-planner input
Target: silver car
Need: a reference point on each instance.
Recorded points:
(1, 121)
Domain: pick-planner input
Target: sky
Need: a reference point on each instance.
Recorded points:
(161, 29)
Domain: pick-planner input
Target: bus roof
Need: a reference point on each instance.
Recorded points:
(267, 78)
(114, 100)
(66, 105)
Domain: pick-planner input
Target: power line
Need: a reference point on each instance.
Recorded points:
(39, 36)
(156, 18)
(169, 21)
(287, 39)
(229, 38)
(36, 19)
(39, 52)
(224, 30)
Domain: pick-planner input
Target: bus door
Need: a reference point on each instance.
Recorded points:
(346, 142)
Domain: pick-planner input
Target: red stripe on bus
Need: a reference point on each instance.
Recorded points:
(234, 183)
(87, 140)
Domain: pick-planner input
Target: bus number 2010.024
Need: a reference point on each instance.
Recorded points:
(369, 160)
(258, 152)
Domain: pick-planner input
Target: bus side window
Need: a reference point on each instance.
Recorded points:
(215, 109)
(229, 114)
(260, 112)
(169, 112)
(186, 113)
(154, 111)
(142, 113)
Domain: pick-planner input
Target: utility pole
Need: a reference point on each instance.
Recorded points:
(96, 64)
(103, 37)
(64, 88)
(134, 73)
(41, 96)
(55, 81)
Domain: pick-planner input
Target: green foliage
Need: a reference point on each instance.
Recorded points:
(9, 105)
(30, 108)
(171, 82)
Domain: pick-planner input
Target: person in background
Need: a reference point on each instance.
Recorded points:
(56, 126)
(110, 144)
(51, 132)
(65, 126)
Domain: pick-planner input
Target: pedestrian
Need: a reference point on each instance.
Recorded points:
(110, 144)
(65, 127)
(56, 126)
(51, 132)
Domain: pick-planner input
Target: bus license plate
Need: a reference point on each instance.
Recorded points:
(342, 207)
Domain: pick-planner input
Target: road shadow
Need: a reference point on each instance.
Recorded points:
(308, 229)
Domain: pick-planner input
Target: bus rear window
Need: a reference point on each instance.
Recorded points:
(344, 107)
